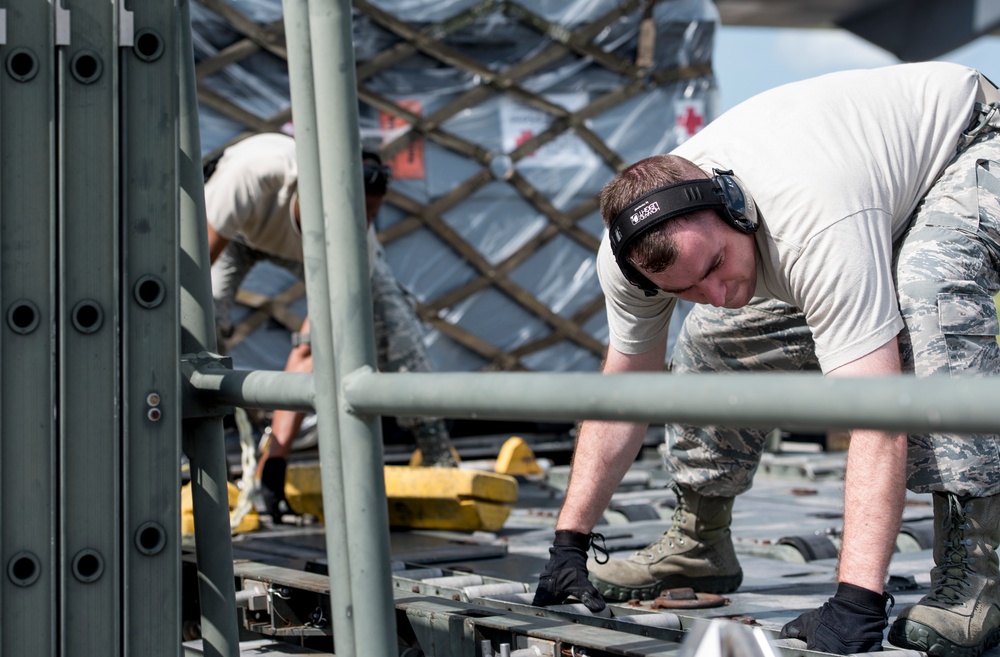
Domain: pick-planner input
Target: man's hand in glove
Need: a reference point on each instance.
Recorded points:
(566, 573)
(852, 621)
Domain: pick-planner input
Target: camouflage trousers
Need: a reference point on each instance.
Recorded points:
(946, 273)
(398, 337)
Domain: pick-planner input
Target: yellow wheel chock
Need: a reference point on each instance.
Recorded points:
(422, 498)
(517, 458)
(461, 499)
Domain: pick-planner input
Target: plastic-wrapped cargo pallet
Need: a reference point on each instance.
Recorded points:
(501, 121)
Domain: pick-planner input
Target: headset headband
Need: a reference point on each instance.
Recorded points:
(721, 193)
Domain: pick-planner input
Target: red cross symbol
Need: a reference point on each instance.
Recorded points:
(690, 121)
(523, 137)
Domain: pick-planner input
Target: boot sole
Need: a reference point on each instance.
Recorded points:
(619, 593)
(917, 636)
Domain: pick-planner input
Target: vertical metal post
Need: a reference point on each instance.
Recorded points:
(202, 437)
(362, 474)
(28, 471)
(151, 408)
(301, 81)
(89, 372)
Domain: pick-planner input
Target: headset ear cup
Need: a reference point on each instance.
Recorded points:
(739, 209)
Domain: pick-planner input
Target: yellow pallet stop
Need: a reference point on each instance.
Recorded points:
(432, 498)
(517, 458)
(421, 498)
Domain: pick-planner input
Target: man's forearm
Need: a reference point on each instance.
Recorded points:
(285, 425)
(874, 493)
(603, 454)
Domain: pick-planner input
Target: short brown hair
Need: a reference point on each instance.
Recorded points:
(654, 251)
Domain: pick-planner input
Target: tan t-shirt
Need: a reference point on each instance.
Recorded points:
(836, 165)
(251, 197)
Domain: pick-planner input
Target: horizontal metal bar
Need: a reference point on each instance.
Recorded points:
(791, 401)
(292, 391)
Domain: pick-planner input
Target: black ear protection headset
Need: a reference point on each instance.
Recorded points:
(720, 193)
(376, 174)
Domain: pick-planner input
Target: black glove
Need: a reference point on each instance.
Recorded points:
(852, 621)
(566, 573)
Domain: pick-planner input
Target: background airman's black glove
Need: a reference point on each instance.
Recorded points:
(852, 621)
(566, 572)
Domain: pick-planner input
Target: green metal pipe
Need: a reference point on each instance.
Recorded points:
(362, 476)
(263, 389)
(794, 401)
(789, 400)
(202, 438)
(323, 383)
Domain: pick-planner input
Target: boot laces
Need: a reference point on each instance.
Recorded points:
(672, 534)
(955, 568)
(599, 550)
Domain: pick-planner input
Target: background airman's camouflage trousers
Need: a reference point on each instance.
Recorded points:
(398, 338)
(946, 269)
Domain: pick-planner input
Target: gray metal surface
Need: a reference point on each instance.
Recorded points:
(28, 474)
(150, 308)
(263, 647)
(454, 588)
(89, 373)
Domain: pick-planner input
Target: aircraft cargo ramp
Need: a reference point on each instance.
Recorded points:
(469, 593)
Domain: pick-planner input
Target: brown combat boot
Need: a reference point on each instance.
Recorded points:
(697, 552)
(960, 616)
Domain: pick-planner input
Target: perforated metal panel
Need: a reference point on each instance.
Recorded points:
(89, 347)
